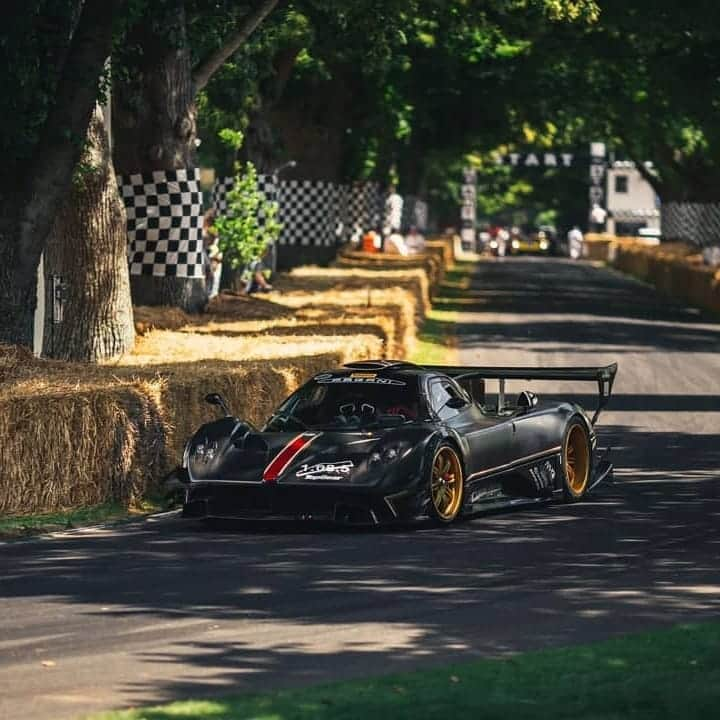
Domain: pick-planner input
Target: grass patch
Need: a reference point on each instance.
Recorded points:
(25, 525)
(667, 674)
(437, 340)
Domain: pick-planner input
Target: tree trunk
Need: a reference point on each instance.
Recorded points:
(154, 130)
(87, 249)
(30, 198)
(17, 286)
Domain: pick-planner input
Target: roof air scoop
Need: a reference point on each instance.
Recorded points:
(377, 364)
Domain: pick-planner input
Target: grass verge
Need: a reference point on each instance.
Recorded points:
(26, 525)
(437, 340)
(667, 674)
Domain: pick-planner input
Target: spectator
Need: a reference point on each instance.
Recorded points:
(395, 244)
(598, 216)
(393, 211)
(213, 255)
(372, 241)
(415, 241)
(575, 242)
(256, 275)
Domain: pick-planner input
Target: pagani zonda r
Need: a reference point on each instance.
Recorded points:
(380, 441)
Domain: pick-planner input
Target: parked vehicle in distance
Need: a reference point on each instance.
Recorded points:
(385, 441)
(537, 240)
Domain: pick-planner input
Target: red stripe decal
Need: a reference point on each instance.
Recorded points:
(280, 462)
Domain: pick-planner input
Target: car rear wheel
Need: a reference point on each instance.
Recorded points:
(447, 485)
(576, 460)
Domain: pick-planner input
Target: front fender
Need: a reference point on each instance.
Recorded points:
(444, 434)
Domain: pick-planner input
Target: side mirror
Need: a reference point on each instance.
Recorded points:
(217, 399)
(526, 401)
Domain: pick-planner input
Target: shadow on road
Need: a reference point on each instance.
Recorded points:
(515, 286)
(298, 605)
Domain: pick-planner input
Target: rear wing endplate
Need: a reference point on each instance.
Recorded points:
(603, 376)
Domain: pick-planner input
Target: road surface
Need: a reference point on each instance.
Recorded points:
(158, 610)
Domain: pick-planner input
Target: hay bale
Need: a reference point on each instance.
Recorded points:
(313, 280)
(235, 305)
(443, 247)
(162, 347)
(14, 359)
(430, 262)
(161, 317)
(675, 269)
(66, 446)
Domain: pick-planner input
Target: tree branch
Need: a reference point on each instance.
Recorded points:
(214, 61)
(651, 178)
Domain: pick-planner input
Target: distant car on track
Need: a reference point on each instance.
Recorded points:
(539, 241)
(383, 441)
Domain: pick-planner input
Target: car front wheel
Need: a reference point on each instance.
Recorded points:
(447, 485)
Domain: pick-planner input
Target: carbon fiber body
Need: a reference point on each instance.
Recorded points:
(374, 466)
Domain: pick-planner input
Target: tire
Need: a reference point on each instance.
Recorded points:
(576, 460)
(446, 485)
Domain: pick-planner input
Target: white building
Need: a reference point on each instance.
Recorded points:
(632, 203)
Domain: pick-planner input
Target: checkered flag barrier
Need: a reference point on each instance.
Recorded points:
(697, 223)
(322, 214)
(363, 208)
(224, 185)
(308, 212)
(220, 190)
(164, 223)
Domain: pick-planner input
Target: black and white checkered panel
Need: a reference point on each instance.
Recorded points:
(697, 223)
(223, 186)
(363, 209)
(164, 223)
(308, 212)
(414, 213)
(342, 226)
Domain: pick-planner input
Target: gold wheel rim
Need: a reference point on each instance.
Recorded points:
(577, 460)
(446, 484)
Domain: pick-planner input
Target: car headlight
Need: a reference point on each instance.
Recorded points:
(493, 244)
(206, 451)
(515, 244)
(544, 245)
(389, 454)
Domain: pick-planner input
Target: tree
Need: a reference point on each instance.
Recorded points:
(250, 224)
(87, 249)
(644, 77)
(350, 88)
(54, 54)
(172, 51)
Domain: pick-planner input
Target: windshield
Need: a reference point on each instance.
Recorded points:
(349, 402)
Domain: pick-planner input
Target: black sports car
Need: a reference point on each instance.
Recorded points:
(380, 441)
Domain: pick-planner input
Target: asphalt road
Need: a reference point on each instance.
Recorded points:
(158, 610)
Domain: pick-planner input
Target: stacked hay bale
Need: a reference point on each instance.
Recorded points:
(676, 269)
(431, 262)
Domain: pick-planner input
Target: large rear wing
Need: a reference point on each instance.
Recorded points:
(603, 376)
